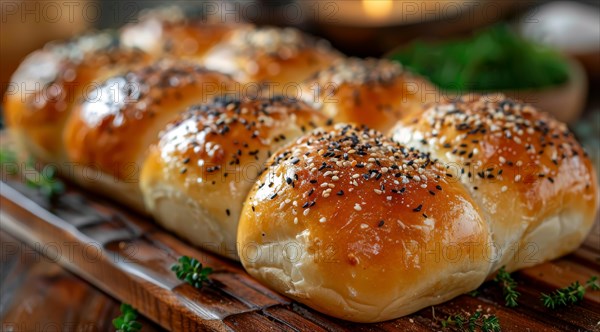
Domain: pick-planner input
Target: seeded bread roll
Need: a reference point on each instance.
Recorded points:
(168, 32)
(48, 83)
(108, 135)
(197, 177)
(526, 171)
(277, 58)
(372, 92)
(361, 228)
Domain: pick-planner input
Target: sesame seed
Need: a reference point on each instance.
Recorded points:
(418, 208)
(357, 207)
(322, 220)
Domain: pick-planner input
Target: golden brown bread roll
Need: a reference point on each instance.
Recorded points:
(196, 179)
(526, 171)
(361, 228)
(167, 32)
(279, 58)
(112, 130)
(372, 92)
(51, 80)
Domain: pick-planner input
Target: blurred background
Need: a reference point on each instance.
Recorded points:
(478, 45)
(545, 52)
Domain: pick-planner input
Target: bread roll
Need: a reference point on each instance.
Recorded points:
(278, 58)
(373, 92)
(531, 178)
(361, 228)
(110, 132)
(196, 179)
(50, 80)
(167, 32)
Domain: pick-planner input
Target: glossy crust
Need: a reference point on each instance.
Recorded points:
(167, 32)
(278, 58)
(531, 177)
(372, 92)
(51, 80)
(361, 228)
(197, 177)
(112, 130)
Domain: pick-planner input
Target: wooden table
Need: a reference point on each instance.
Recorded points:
(39, 295)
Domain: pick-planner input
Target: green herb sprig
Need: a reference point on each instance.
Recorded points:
(44, 181)
(476, 321)
(508, 287)
(496, 58)
(8, 157)
(569, 295)
(126, 322)
(191, 271)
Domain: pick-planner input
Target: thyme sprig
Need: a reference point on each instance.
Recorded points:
(126, 322)
(473, 322)
(191, 271)
(569, 295)
(508, 287)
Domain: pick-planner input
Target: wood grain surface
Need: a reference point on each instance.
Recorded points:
(40, 295)
(129, 257)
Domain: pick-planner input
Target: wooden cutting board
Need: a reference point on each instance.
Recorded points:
(129, 257)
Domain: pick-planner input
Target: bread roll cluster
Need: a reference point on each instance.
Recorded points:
(367, 196)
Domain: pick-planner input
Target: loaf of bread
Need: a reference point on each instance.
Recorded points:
(528, 174)
(372, 92)
(196, 179)
(111, 130)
